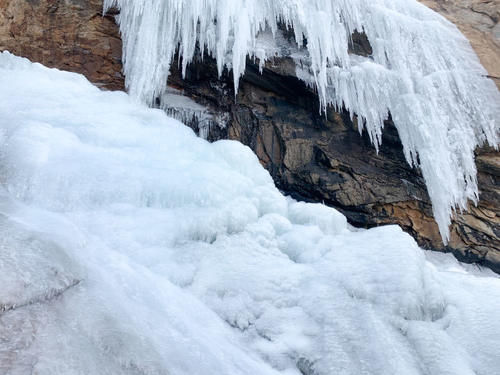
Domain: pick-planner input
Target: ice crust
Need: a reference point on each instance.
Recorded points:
(130, 246)
(422, 71)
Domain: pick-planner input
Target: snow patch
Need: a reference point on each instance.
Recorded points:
(190, 261)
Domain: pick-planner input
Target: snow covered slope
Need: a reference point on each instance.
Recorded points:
(422, 71)
(130, 246)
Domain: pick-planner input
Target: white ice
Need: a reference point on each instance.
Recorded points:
(187, 111)
(130, 246)
(422, 70)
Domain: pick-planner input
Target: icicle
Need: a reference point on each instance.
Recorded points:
(422, 71)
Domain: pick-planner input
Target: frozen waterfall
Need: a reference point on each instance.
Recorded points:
(422, 71)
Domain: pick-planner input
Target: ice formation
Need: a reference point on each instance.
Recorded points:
(130, 246)
(422, 71)
(187, 111)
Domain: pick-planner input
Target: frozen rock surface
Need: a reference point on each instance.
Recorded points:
(130, 246)
(479, 20)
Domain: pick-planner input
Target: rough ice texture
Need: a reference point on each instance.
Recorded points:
(187, 111)
(130, 246)
(479, 20)
(422, 71)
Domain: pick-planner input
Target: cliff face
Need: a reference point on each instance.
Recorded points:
(65, 34)
(310, 156)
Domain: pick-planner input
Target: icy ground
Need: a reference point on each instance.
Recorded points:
(422, 70)
(130, 246)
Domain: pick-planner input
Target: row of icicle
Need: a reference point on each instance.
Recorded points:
(422, 71)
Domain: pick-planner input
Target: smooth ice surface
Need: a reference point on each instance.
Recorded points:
(130, 246)
(422, 70)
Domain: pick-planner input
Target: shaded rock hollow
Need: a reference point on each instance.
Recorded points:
(310, 156)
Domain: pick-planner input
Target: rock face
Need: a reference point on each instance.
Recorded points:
(479, 22)
(318, 158)
(310, 156)
(66, 34)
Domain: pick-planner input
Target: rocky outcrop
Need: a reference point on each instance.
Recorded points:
(479, 22)
(310, 156)
(323, 158)
(66, 34)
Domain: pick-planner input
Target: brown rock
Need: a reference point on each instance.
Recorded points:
(66, 34)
